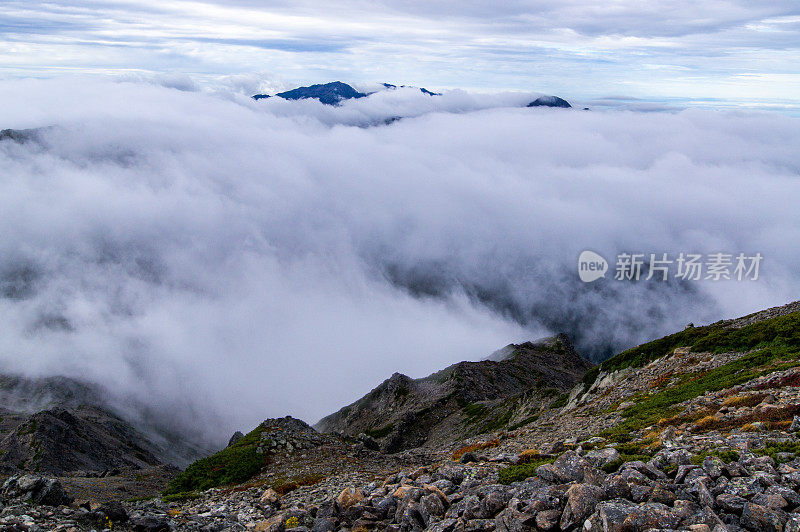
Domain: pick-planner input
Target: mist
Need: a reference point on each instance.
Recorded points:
(227, 260)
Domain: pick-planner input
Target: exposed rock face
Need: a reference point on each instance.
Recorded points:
(549, 101)
(58, 441)
(58, 425)
(405, 412)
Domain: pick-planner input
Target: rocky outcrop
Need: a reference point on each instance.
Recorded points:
(464, 398)
(58, 441)
(58, 425)
(36, 489)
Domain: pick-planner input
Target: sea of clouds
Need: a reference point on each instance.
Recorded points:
(228, 260)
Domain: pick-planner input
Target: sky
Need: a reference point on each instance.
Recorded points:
(710, 53)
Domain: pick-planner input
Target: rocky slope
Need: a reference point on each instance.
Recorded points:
(694, 431)
(463, 399)
(61, 426)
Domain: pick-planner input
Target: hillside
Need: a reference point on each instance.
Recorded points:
(58, 425)
(694, 431)
(465, 398)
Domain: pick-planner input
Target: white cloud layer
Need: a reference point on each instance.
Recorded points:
(744, 52)
(251, 259)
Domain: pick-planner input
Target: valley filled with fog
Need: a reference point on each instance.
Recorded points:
(228, 260)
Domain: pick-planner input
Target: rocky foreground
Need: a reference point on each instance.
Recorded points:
(743, 485)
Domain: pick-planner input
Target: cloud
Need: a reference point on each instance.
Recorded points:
(236, 259)
(580, 48)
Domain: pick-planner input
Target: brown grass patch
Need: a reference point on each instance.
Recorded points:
(474, 447)
(744, 400)
(707, 422)
(687, 417)
(661, 381)
(530, 455)
(749, 427)
(282, 487)
(773, 417)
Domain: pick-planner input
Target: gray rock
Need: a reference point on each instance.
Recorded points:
(432, 505)
(792, 523)
(236, 437)
(467, 458)
(760, 518)
(149, 523)
(569, 467)
(621, 516)
(713, 466)
(600, 457)
(322, 524)
(547, 519)
(731, 503)
(746, 487)
(581, 502)
(445, 525)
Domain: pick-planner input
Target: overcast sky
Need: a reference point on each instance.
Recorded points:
(730, 51)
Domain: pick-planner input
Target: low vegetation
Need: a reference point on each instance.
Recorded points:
(233, 465)
(614, 465)
(381, 432)
(650, 409)
(561, 401)
(783, 331)
(774, 448)
(726, 456)
(283, 486)
(519, 472)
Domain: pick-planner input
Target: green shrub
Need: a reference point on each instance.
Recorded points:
(772, 448)
(233, 465)
(783, 331)
(614, 465)
(726, 456)
(177, 497)
(590, 376)
(561, 401)
(527, 420)
(519, 472)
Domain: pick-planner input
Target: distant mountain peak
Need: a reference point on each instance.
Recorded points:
(423, 90)
(328, 93)
(549, 101)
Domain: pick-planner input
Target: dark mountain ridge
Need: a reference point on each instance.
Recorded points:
(60, 425)
(403, 412)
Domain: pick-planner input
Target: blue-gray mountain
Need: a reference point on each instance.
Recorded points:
(327, 93)
(549, 101)
(335, 92)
